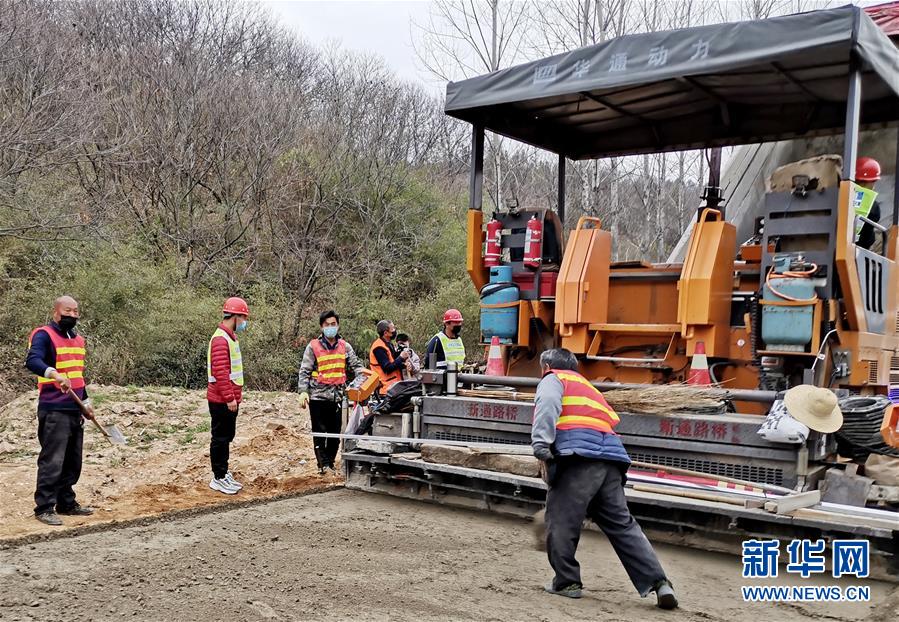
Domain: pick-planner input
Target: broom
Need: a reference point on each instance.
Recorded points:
(664, 400)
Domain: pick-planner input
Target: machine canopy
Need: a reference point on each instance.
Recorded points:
(726, 84)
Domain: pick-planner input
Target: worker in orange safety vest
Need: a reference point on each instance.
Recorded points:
(584, 462)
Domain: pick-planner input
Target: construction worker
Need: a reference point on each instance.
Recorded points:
(224, 369)
(585, 464)
(384, 358)
(446, 345)
(867, 174)
(323, 376)
(412, 370)
(56, 356)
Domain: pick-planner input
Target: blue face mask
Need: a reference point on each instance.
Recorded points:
(241, 326)
(330, 331)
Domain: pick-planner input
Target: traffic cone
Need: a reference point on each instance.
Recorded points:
(699, 367)
(495, 364)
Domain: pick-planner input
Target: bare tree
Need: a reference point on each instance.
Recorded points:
(43, 95)
(463, 38)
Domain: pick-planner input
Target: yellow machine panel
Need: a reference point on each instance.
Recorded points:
(706, 285)
(582, 291)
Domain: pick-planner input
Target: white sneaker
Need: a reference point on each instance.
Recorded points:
(231, 481)
(223, 486)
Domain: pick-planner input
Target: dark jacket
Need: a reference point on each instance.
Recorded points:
(41, 355)
(867, 236)
(384, 361)
(434, 347)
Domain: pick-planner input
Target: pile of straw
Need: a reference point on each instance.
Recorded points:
(667, 399)
(662, 400)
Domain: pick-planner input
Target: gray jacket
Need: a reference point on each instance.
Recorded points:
(325, 392)
(547, 410)
(416, 367)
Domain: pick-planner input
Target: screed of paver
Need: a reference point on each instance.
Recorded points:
(347, 555)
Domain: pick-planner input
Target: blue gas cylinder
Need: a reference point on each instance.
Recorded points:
(499, 306)
(788, 327)
(501, 274)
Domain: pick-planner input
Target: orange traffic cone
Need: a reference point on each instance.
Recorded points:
(699, 368)
(495, 364)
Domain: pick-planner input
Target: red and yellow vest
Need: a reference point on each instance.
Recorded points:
(585, 426)
(69, 362)
(583, 406)
(387, 379)
(330, 364)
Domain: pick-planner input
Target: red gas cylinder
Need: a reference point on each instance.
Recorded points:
(494, 249)
(533, 243)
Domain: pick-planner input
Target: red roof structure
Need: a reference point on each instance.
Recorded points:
(886, 16)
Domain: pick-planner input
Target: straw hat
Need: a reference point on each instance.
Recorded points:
(815, 407)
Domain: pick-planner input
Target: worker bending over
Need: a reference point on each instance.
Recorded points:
(323, 375)
(56, 356)
(447, 345)
(384, 358)
(585, 464)
(224, 369)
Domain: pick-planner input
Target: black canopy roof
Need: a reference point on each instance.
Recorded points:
(727, 84)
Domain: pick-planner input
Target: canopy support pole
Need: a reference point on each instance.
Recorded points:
(476, 178)
(853, 104)
(896, 185)
(561, 203)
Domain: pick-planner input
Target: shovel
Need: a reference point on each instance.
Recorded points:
(112, 433)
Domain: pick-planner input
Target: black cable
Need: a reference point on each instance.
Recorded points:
(860, 435)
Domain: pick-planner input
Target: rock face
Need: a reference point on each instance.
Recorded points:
(527, 466)
(746, 169)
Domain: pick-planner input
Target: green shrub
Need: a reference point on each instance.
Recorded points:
(146, 325)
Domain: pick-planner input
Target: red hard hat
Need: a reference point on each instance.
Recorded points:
(867, 169)
(237, 306)
(452, 315)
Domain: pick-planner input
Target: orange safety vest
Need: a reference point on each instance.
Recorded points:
(387, 380)
(330, 364)
(583, 406)
(69, 359)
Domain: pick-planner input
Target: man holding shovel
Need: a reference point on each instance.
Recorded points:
(56, 357)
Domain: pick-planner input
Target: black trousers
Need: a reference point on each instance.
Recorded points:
(223, 425)
(582, 488)
(325, 417)
(61, 435)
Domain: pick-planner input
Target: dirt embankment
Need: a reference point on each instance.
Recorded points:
(165, 465)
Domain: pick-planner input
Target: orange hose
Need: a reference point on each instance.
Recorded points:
(796, 274)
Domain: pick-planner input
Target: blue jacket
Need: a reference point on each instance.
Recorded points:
(41, 355)
(548, 442)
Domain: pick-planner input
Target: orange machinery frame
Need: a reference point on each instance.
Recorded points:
(606, 312)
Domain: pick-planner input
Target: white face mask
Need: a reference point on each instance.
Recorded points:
(330, 331)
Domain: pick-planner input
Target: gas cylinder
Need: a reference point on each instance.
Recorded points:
(493, 250)
(533, 243)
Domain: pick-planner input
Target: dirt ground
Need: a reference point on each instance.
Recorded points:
(165, 466)
(347, 555)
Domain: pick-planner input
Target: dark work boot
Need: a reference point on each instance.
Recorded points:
(76, 510)
(49, 518)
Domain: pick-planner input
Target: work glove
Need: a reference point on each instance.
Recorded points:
(304, 399)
